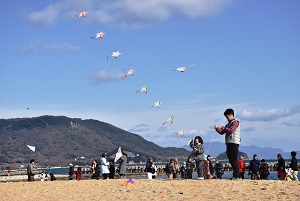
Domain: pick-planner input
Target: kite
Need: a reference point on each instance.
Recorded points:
(118, 154)
(156, 104)
(32, 148)
(98, 35)
(170, 119)
(116, 54)
(130, 72)
(182, 69)
(144, 89)
(82, 14)
(180, 133)
(27, 108)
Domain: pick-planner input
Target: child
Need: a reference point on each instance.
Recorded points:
(219, 169)
(78, 173)
(183, 171)
(241, 167)
(264, 170)
(198, 155)
(52, 177)
(189, 168)
(232, 140)
(170, 169)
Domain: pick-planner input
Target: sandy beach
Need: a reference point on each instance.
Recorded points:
(158, 189)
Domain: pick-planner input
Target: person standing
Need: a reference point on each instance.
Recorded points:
(264, 170)
(183, 171)
(30, 170)
(254, 168)
(280, 166)
(198, 155)
(78, 173)
(112, 169)
(170, 169)
(150, 168)
(71, 171)
(189, 168)
(232, 140)
(241, 164)
(219, 169)
(294, 166)
(177, 168)
(104, 166)
(123, 166)
(95, 170)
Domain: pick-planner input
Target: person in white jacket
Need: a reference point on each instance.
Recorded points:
(104, 166)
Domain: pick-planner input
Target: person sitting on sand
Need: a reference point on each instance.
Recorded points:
(78, 173)
(52, 177)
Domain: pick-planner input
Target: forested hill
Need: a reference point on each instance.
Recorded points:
(60, 140)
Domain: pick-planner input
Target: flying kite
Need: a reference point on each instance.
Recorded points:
(180, 133)
(144, 89)
(156, 104)
(32, 148)
(116, 54)
(98, 35)
(130, 72)
(182, 69)
(82, 14)
(169, 119)
(118, 154)
(27, 108)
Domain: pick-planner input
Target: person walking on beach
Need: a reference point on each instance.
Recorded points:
(294, 166)
(30, 170)
(170, 169)
(189, 168)
(104, 166)
(78, 173)
(150, 168)
(264, 170)
(232, 140)
(241, 164)
(112, 169)
(280, 166)
(183, 171)
(177, 168)
(71, 171)
(95, 170)
(198, 155)
(123, 166)
(254, 168)
(219, 169)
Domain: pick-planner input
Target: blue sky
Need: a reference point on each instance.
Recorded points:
(246, 56)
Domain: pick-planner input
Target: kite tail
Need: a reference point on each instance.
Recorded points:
(124, 77)
(92, 37)
(151, 106)
(76, 15)
(164, 123)
(137, 91)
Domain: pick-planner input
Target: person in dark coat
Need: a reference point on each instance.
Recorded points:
(189, 168)
(294, 166)
(95, 170)
(219, 169)
(30, 170)
(264, 170)
(254, 168)
(280, 166)
(112, 169)
(71, 171)
(123, 166)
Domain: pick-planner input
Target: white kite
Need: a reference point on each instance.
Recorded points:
(182, 69)
(169, 119)
(98, 35)
(116, 54)
(130, 72)
(118, 154)
(180, 133)
(144, 89)
(82, 14)
(32, 148)
(156, 104)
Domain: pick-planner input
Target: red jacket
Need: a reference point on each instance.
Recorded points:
(241, 166)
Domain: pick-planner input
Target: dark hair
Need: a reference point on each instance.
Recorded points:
(229, 111)
(79, 169)
(123, 153)
(254, 155)
(207, 156)
(104, 155)
(32, 160)
(263, 160)
(199, 138)
(293, 153)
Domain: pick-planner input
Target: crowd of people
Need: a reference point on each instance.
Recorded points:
(202, 165)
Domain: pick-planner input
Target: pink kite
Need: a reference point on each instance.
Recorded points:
(170, 119)
(98, 35)
(82, 14)
(130, 72)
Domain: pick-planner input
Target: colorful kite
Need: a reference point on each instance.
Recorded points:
(98, 35)
(116, 54)
(180, 133)
(156, 104)
(169, 119)
(130, 72)
(182, 69)
(82, 14)
(32, 148)
(144, 89)
(118, 154)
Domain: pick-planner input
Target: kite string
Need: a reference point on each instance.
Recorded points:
(211, 142)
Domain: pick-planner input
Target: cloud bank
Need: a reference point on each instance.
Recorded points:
(104, 76)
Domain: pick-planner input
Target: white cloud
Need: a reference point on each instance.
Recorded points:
(293, 122)
(62, 47)
(31, 47)
(127, 13)
(139, 128)
(104, 76)
(268, 115)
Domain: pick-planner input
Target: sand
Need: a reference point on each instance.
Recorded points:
(158, 189)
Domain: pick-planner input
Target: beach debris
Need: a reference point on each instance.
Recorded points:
(156, 104)
(128, 182)
(116, 54)
(32, 148)
(180, 192)
(182, 69)
(98, 35)
(118, 154)
(82, 14)
(130, 72)
(169, 119)
(180, 133)
(144, 89)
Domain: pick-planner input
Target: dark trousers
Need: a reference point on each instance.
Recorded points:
(232, 154)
